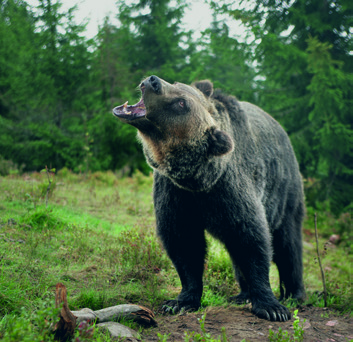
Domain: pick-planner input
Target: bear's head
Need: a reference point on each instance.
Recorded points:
(176, 124)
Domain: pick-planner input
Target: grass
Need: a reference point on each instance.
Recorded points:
(97, 237)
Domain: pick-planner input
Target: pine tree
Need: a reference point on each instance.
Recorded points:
(153, 37)
(303, 53)
(225, 61)
(45, 78)
(331, 97)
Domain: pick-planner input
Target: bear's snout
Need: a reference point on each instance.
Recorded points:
(154, 83)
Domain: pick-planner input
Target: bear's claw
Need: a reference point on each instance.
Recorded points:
(277, 312)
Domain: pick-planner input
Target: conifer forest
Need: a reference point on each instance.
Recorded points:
(293, 58)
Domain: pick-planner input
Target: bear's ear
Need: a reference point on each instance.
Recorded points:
(205, 86)
(220, 143)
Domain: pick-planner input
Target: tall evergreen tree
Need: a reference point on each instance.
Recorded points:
(17, 26)
(288, 37)
(148, 40)
(19, 74)
(225, 61)
(115, 144)
(45, 80)
(153, 37)
(331, 116)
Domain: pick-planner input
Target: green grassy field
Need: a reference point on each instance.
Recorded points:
(97, 237)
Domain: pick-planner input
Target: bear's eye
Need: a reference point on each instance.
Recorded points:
(180, 105)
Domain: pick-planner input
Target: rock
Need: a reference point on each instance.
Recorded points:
(332, 323)
(117, 330)
(334, 238)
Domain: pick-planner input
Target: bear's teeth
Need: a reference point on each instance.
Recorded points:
(125, 108)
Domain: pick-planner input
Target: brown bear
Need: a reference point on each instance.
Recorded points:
(229, 168)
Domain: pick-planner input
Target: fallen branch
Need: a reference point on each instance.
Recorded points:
(65, 328)
(136, 313)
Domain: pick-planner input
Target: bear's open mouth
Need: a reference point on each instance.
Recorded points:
(132, 112)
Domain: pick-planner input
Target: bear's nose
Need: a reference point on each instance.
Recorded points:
(155, 83)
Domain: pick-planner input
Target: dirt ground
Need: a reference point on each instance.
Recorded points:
(320, 325)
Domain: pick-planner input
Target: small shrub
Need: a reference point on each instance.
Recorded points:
(204, 336)
(163, 338)
(106, 178)
(140, 260)
(284, 336)
(30, 326)
(141, 179)
(43, 218)
(345, 230)
(219, 276)
(7, 167)
(90, 298)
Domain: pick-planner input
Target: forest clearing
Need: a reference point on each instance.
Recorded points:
(76, 206)
(97, 238)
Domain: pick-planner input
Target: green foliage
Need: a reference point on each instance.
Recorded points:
(89, 298)
(8, 167)
(163, 338)
(30, 326)
(330, 224)
(153, 37)
(45, 63)
(331, 117)
(42, 219)
(224, 61)
(304, 62)
(57, 88)
(103, 263)
(195, 337)
(204, 336)
(284, 336)
(219, 279)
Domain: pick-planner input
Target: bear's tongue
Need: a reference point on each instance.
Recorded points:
(135, 111)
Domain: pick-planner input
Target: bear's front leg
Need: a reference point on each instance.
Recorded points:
(183, 238)
(186, 246)
(187, 250)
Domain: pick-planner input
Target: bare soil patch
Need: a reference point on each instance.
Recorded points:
(320, 325)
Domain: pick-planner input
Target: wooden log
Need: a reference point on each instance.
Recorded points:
(84, 315)
(65, 328)
(136, 313)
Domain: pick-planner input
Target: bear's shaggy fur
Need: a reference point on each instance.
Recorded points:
(226, 167)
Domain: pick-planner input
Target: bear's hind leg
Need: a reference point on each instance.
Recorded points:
(287, 245)
(244, 296)
(252, 253)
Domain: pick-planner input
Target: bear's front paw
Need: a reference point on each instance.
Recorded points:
(271, 311)
(175, 306)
